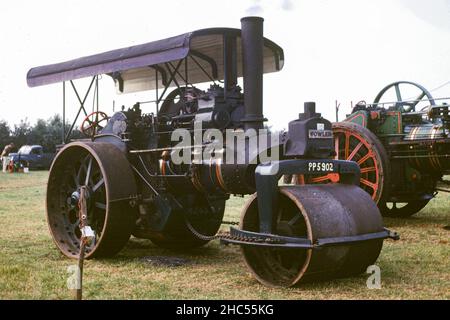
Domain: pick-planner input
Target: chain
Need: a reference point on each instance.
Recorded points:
(202, 236)
(227, 236)
(218, 235)
(233, 223)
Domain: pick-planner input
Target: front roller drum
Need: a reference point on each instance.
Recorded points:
(314, 212)
(106, 174)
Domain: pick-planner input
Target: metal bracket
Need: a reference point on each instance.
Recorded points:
(392, 234)
(267, 176)
(249, 238)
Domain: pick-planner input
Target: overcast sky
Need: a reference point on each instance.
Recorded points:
(345, 50)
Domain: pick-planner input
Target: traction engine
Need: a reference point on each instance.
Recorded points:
(403, 150)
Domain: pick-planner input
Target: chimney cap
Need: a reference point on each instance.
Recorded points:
(252, 18)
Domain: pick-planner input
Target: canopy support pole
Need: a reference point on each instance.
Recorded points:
(157, 101)
(63, 138)
(81, 108)
(172, 76)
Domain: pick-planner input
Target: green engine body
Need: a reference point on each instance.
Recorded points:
(416, 142)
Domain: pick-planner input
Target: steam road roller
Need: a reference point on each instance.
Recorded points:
(165, 174)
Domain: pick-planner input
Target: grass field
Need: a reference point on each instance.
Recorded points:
(416, 267)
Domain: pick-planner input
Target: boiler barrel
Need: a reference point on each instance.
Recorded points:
(315, 212)
(429, 150)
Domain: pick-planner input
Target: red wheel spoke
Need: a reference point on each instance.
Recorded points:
(355, 151)
(347, 145)
(332, 177)
(372, 185)
(364, 159)
(367, 169)
(336, 146)
(319, 179)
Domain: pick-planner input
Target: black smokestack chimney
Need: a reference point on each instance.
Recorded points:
(252, 60)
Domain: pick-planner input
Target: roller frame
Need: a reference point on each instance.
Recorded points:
(267, 176)
(276, 241)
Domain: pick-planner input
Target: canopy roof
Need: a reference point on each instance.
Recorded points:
(140, 67)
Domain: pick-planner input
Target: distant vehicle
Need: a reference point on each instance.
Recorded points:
(33, 157)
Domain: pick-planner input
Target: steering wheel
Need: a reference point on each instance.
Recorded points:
(403, 105)
(93, 123)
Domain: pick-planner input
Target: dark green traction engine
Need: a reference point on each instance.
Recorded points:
(403, 150)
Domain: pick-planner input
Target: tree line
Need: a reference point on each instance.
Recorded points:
(47, 133)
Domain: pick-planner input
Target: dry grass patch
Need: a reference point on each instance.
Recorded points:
(416, 267)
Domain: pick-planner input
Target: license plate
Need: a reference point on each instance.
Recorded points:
(318, 166)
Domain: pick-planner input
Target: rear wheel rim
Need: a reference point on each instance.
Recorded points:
(111, 194)
(83, 171)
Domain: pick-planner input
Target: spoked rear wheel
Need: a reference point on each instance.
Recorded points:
(402, 209)
(106, 174)
(356, 143)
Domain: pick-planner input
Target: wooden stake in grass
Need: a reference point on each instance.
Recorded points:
(83, 219)
(79, 291)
